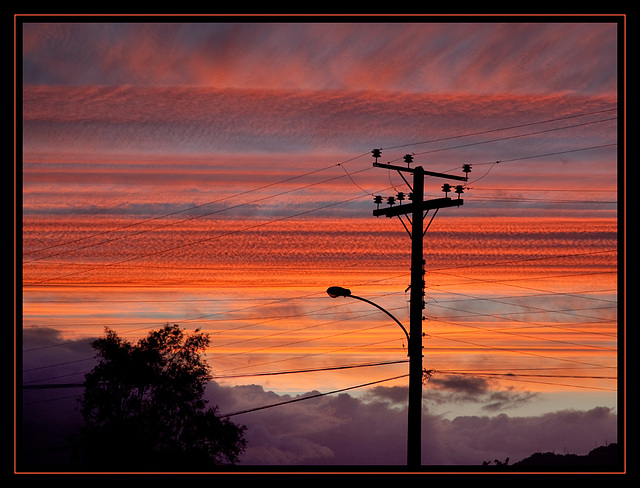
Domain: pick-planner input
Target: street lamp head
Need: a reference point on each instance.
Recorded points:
(338, 291)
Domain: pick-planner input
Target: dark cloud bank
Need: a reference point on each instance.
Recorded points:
(345, 429)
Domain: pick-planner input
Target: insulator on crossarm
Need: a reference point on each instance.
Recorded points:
(466, 169)
(377, 153)
(459, 190)
(408, 158)
(391, 201)
(446, 188)
(377, 200)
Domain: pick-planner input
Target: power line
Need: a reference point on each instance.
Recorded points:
(506, 282)
(548, 190)
(199, 241)
(437, 319)
(512, 350)
(501, 129)
(515, 137)
(28, 386)
(555, 153)
(328, 167)
(309, 397)
(523, 260)
(546, 200)
(476, 373)
(218, 376)
(295, 371)
(301, 341)
(284, 332)
(309, 370)
(500, 301)
(518, 377)
(510, 331)
(535, 325)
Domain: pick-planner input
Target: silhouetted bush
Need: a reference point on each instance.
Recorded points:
(144, 410)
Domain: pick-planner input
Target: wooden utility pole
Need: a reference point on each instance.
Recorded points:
(416, 209)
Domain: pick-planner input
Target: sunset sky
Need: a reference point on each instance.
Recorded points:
(217, 173)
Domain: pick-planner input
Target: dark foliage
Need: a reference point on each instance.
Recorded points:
(601, 456)
(144, 410)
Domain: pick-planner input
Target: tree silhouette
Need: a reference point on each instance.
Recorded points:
(143, 406)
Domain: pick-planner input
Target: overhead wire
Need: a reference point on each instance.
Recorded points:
(499, 300)
(309, 397)
(287, 331)
(301, 341)
(513, 350)
(518, 377)
(516, 137)
(533, 325)
(554, 153)
(510, 331)
(489, 131)
(31, 385)
(537, 375)
(507, 282)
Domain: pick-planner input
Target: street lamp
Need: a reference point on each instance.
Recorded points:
(338, 291)
(414, 410)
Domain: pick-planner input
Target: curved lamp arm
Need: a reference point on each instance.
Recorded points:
(337, 291)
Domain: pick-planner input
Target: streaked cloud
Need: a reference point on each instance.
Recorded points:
(179, 121)
(415, 57)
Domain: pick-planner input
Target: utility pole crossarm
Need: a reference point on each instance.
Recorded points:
(412, 170)
(410, 208)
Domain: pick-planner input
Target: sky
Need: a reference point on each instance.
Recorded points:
(217, 173)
